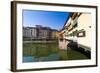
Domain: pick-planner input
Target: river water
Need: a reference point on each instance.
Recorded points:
(36, 52)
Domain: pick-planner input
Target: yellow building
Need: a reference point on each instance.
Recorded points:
(71, 27)
(78, 30)
(54, 34)
(84, 31)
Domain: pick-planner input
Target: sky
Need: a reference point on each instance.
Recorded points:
(52, 19)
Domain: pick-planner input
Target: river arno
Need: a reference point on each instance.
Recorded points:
(35, 52)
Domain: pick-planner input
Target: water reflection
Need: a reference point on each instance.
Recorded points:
(51, 57)
(35, 52)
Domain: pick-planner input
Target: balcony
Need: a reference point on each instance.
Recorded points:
(74, 21)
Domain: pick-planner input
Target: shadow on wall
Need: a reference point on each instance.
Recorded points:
(68, 44)
(74, 46)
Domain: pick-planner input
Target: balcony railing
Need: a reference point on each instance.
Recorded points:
(75, 21)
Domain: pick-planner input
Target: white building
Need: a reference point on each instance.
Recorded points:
(29, 32)
(84, 31)
(33, 33)
(26, 32)
(78, 29)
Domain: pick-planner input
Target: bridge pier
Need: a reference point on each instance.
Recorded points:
(63, 44)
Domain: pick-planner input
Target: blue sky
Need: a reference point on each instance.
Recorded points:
(54, 20)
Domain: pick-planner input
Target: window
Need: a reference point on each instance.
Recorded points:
(81, 33)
